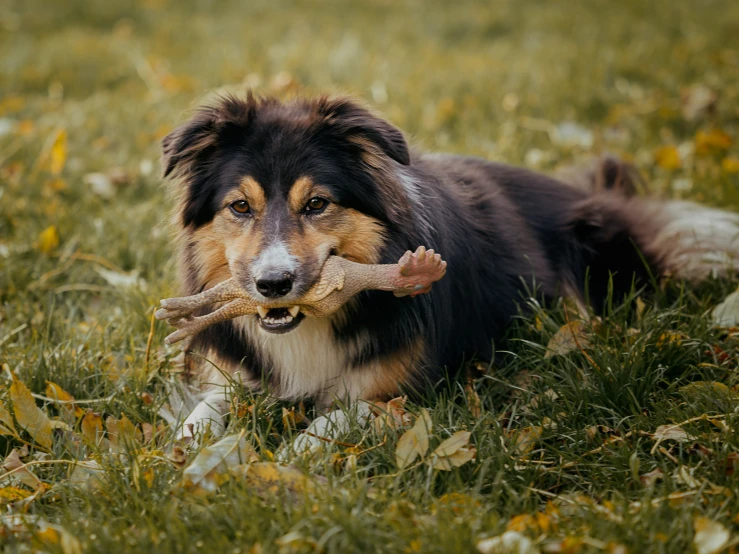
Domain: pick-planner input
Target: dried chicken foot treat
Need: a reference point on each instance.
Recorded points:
(340, 280)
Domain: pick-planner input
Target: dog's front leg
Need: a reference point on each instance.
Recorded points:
(329, 427)
(211, 412)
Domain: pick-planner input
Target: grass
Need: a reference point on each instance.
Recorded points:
(563, 443)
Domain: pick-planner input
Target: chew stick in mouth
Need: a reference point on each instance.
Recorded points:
(340, 280)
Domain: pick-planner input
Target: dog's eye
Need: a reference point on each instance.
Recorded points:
(241, 207)
(316, 205)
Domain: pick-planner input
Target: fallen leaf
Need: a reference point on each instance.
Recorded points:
(9, 495)
(391, 414)
(510, 542)
(48, 240)
(269, 478)
(65, 400)
(20, 472)
(730, 165)
(570, 337)
(58, 154)
(122, 280)
(29, 416)
(414, 442)
(210, 467)
(684, 476)
(92, 427)
(7, 420)
(526, 439)
(698, 101)
(122, 432)
(667, 157)
(671, 432)
(711, 142)
(726, 314)
(87, 474)
(649, 479)
(453, 452)
(710, 536)
(100, 184)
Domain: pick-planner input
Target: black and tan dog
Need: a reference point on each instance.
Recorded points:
(268, 190)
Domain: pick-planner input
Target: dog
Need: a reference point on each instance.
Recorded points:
(266, 190)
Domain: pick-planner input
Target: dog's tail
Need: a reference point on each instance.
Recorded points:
(695, 242)
(626, 237)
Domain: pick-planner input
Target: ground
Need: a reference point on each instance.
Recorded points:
(582, 451)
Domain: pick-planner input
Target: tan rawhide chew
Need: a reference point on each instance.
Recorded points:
(340, 280)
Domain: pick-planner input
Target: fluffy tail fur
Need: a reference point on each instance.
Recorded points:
(674, 238)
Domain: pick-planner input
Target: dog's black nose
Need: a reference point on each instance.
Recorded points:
(274, 285)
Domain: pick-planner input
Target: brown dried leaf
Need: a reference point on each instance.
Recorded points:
(20, 472)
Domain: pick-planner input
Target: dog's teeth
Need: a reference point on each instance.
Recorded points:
(288, 318)
(262, 311)
(294, 311)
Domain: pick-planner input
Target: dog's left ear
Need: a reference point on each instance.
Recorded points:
(358, 124)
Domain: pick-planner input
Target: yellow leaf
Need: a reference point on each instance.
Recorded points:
(48, 240)
(122, 432)
(29, 416)
(268, 479)
(210, 467)
(57, 393)
(58, 154)
(20, 472)
(712, 141)
(570, 337)
(66, 400)
(527, 438)
(667, 157)
(414, 442)
(710, 536)
(730, 165)
(92, 427)
(12, 494)
(7, 419)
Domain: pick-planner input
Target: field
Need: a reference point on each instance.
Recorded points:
(625, 440)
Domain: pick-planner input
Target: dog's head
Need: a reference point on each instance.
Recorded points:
(269, 190)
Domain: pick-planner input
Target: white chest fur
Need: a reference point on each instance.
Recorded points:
(307, 362)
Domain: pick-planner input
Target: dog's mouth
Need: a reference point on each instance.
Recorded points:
(279, 320)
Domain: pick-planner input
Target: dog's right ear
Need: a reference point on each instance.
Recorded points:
(197, 139)
(189, 143)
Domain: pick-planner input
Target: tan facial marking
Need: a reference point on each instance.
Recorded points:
(251, 191)
(303, 190)
(210, 255)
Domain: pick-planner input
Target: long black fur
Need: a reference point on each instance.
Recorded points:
(504, 231)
